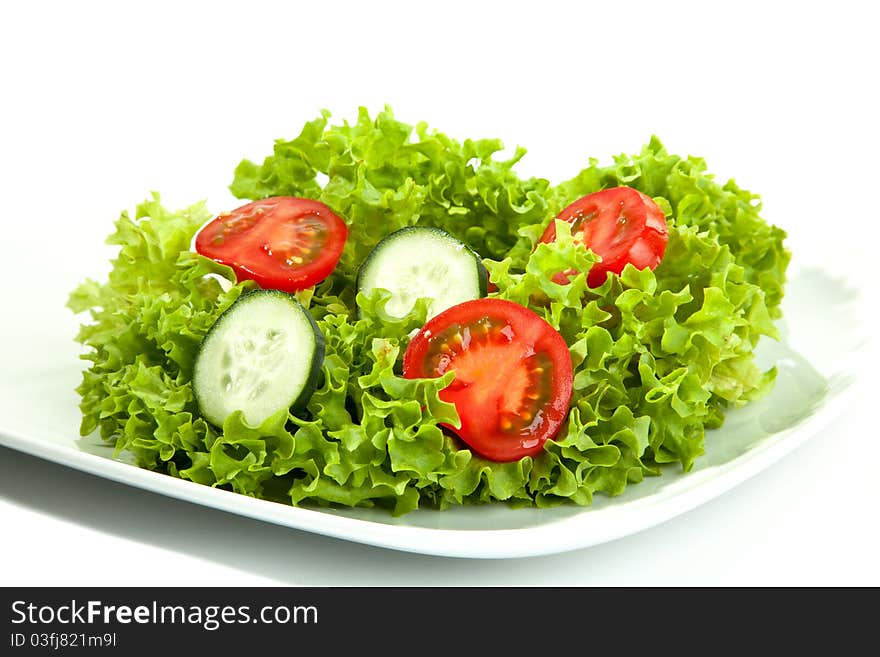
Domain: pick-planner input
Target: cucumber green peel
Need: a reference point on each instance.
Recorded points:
(659, 356)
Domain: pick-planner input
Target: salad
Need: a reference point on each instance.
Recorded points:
(393, 318)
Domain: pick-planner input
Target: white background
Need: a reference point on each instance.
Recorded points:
(101, 103)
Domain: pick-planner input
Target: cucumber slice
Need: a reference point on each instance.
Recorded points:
(420, 261)
(262, 355)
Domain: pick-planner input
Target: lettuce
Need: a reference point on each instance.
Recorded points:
(694, 198)
(383, 175)
(148, 320)
(659, 356)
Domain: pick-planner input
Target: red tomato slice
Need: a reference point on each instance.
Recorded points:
(621, 225)
(513, 375)
(282, 243)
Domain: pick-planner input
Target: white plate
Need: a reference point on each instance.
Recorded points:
(39, 415)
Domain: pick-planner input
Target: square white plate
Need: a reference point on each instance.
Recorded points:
(39, 415)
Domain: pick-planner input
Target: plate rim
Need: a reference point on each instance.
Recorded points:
(613, 521)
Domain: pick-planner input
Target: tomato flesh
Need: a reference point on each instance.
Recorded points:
(513, 375)
(283, 243)
(621, 225)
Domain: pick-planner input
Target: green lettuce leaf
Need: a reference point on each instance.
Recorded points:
(659, 356)
(383, 175)
(147, 322)
(693, 197)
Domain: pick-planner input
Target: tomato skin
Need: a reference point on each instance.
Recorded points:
(282, 242)
(621, 225)
(513, 375)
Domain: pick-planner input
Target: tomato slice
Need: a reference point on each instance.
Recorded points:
(513, 375)
(621, 225)
(282, 243)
